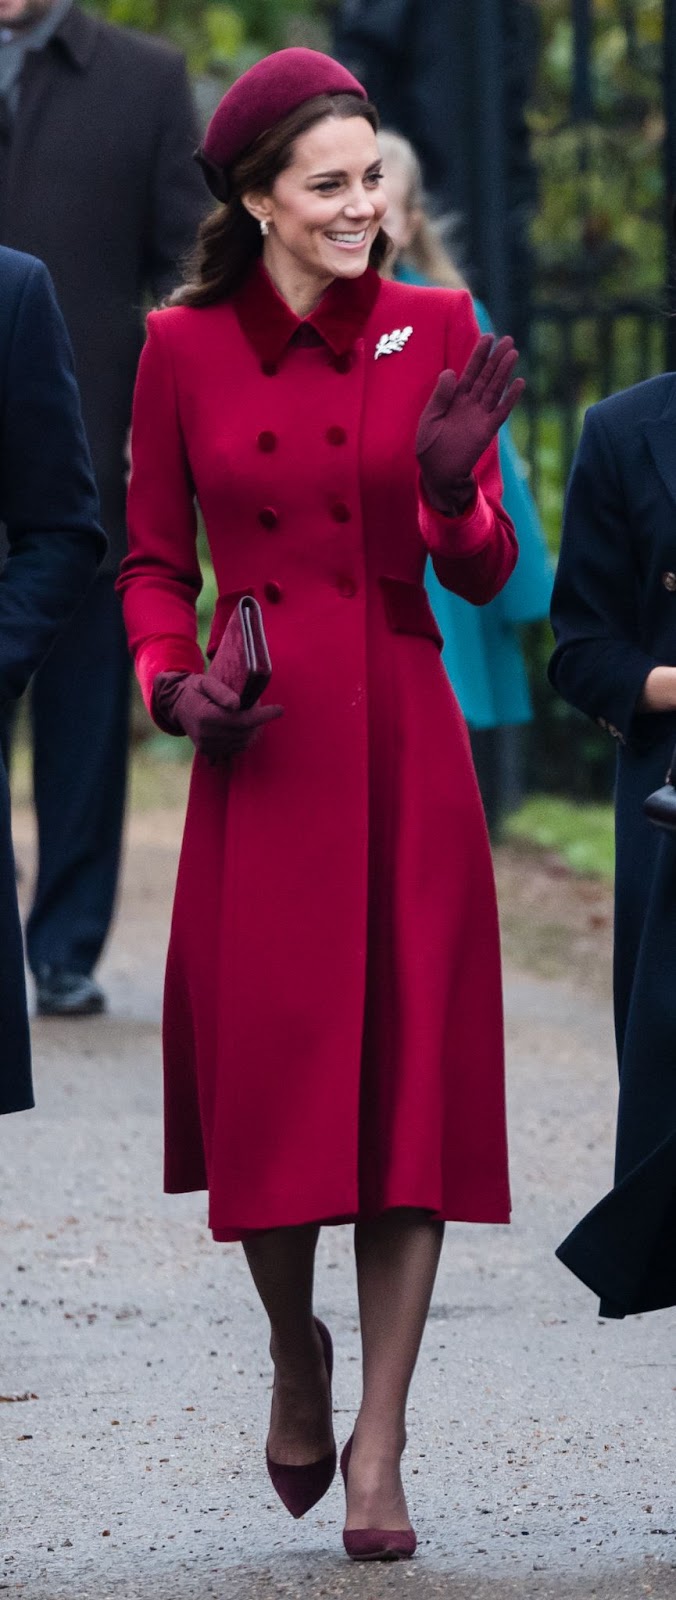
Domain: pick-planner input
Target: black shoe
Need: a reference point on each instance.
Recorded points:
(61, 993)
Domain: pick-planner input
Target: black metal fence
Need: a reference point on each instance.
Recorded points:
(577, 355)
(595, 345)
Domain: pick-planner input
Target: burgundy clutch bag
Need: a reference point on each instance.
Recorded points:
(242, 660)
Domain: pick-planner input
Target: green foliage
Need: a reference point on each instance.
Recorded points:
(599, 228)
(583, 835)
(218, 38)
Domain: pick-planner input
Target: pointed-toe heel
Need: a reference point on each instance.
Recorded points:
(300, 1488)
(379, 1544)
(375, 1544)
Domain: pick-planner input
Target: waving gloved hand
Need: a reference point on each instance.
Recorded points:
(197, 704)
(461, 418)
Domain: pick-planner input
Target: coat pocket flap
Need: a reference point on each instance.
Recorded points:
(408, 610)
(225, 606)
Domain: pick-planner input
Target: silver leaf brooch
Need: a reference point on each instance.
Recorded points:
(390, 343)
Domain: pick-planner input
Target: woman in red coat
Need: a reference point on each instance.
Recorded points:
(333, 1028)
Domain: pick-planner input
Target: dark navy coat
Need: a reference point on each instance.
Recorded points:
(49, 505)
(614, 618)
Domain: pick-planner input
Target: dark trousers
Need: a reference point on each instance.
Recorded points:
(497, 756)
(80, 727)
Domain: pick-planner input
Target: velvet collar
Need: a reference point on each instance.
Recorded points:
(269, 323)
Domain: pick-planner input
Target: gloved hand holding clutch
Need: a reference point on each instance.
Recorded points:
(209, 712)
(461, 418)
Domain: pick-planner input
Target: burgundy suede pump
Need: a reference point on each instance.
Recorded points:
(375, 1544)
(299, 1488)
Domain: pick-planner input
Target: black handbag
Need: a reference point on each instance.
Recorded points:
(660, 806)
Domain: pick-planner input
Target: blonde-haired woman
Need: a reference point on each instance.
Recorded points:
(420, 253)
(482, 654)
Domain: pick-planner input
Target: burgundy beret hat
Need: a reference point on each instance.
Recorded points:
(260, 98)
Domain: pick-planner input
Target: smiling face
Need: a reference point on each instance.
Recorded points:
(324, 210)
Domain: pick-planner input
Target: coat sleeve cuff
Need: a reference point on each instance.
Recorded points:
(455, 536)
(168, 653)
(605, 680)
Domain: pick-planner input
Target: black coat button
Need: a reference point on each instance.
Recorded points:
(267, 441)
(343, 362)
(273, 592)
(340, 512)
(336, 435)
(269, 368)
(268, 517)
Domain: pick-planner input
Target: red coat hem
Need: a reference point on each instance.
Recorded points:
(489, 1207)
(485, 1214)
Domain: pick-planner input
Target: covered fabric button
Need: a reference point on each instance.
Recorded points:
(268, 517)
(343, 362)
(669, 581)
(267, 441)
(347, 588)
(273, 592)
(340, 512)
(336, 435)
(269, 368)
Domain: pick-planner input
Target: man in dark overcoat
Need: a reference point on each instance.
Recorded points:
(97, 131)
(49, 506)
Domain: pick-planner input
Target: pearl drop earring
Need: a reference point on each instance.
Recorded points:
(264, 228)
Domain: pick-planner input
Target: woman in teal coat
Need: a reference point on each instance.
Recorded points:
(482, 651)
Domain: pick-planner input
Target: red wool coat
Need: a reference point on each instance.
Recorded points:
(333, 1022)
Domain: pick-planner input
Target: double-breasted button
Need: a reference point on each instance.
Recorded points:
(342, 363)
(273, 593)
(267, 441)
(268, 517)
(269, 368)
(669, 581)
(347, 588)
(336, 435)
(340, 512)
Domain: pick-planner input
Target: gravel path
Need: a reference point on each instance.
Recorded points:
(133, 1370)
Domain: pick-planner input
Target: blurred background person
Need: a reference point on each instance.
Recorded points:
(483, 653)
(49, 505)
(97, 130)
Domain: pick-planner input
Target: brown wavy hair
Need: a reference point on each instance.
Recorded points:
(229, 239)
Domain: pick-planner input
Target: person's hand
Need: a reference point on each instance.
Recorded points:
(461, 418)
(197, 704)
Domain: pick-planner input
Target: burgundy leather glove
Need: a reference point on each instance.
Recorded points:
(196, 704)
(460, 420)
